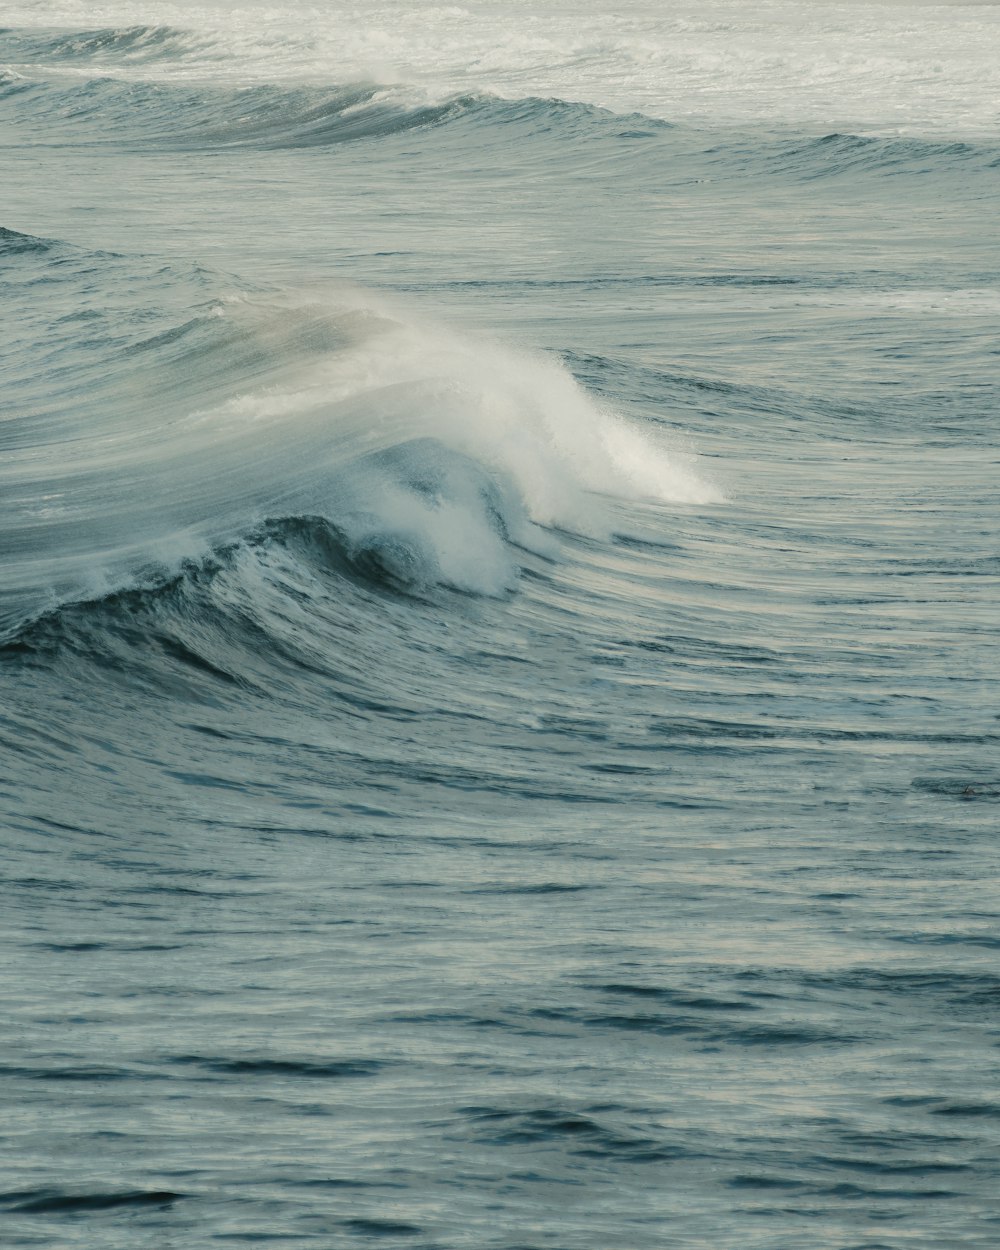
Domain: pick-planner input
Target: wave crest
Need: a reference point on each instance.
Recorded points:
(434, 456)
(130, 44)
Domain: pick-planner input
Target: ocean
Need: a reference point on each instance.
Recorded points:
(499, 600)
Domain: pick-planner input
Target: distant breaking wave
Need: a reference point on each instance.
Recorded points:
(843, 68)
(118, 112)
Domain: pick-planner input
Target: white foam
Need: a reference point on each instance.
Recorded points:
(431, 448)
(392, 375)
(904, 67)
(434, 452)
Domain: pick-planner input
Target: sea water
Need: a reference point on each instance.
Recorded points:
(499, 588)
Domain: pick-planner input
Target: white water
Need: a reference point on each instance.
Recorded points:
(352, 377)
(891, 68)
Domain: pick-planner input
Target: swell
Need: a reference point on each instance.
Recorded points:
(60, 1202)
(166, 115)
(113, 111)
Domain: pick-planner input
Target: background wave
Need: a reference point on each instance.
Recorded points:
(176, 115)
(918, 69)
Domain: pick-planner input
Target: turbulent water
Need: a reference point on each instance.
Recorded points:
(499, 585)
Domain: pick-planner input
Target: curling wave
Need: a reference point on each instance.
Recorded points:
(431, 458)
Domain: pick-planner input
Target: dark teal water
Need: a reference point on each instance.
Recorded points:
(499, 710)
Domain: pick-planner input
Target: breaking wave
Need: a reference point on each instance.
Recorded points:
(418, 455)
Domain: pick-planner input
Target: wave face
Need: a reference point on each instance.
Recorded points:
(498, 600)
(448, 451)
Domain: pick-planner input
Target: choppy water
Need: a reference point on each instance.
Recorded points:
(500, 582)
